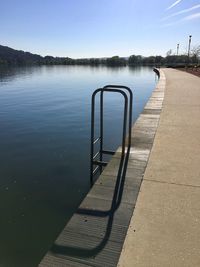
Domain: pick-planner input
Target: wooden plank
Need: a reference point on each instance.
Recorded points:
(152, 111)
(109, 180)
(96, 228)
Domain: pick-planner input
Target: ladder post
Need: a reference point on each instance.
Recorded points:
(92, 138)
(124, 125)
(101, 129)
(130, 106)
(127, 102)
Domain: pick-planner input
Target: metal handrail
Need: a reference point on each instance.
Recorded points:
(130, 106)
(100, 163)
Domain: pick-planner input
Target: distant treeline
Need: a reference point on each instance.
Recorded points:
(9, 56)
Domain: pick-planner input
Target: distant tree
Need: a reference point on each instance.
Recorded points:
(182, 59)
(9, 56)
(169, 53)
(159, 60)
(82, 61)
(135, 60)
(149, 60)
(116, 61)
(48, 60)
(69, 61)
(94, 61)
(195, 52)
(103, 61)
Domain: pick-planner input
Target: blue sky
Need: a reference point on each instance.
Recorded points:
(97, 28)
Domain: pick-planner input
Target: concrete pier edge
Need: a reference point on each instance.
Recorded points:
(165, 226)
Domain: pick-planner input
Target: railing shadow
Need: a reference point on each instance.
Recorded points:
(79, 252)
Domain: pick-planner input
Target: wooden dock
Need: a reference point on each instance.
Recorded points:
(95, 234)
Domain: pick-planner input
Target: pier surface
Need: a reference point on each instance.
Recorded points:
(154, 219)
(165, 228)
(96, 232)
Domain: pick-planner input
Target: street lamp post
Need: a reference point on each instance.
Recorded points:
(190, 39)
(177, 49)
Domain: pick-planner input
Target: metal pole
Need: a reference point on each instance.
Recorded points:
(101, 129)
(177, 49)
(124, 125)
(190, 38)
(92, 139)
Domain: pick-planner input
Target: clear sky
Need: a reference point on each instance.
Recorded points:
(98, 28)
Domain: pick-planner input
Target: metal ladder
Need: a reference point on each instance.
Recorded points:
(96, 161)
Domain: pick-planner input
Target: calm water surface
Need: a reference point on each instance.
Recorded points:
(44, 155)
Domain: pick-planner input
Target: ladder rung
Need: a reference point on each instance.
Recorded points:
(109, 152)
(95, 141)
(100, 163)
(96, 170)
(96, 155)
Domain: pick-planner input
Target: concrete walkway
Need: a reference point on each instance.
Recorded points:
(165, 227)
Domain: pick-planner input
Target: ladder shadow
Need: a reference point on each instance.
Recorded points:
(82, 253)
(79, 252)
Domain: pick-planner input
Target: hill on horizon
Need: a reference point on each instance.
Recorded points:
(10, 56)
(17, 57)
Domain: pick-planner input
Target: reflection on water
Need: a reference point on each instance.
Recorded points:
(44, 140)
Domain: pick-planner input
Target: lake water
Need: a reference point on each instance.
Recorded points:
(44, 155)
